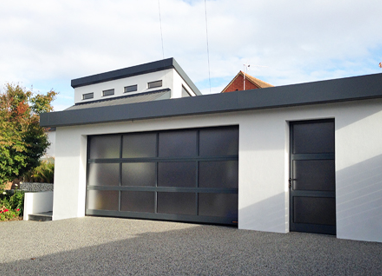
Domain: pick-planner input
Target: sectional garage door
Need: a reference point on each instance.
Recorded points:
(182, 175)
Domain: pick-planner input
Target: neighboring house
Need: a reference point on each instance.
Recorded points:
(304, 157)
(243, 81)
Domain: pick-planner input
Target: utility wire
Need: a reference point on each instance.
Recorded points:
(208, 51)
(160, 24)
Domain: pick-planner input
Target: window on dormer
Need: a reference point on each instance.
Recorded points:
(109, 92)
(185, 92)
(154, 84)
(130, 88)
(88, 96)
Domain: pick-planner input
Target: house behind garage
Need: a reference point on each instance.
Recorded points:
(244, 81)
(304, 157)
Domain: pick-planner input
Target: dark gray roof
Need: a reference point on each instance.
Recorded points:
(163, 94)
(155, 66)
(322, 92)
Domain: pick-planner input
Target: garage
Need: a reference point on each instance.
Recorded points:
(309, 158)
(186, 175)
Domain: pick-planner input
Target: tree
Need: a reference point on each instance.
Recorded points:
(22, 140)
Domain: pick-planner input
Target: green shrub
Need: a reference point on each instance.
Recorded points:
(44, 173)
(11, 205)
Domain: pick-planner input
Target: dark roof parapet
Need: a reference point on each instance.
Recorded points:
(322, 92)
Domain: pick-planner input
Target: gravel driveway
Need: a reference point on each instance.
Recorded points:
(111, 246)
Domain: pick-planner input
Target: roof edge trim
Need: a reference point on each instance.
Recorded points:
(321, 92)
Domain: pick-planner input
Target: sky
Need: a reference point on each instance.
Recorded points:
(44, 44)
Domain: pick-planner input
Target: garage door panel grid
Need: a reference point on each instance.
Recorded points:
(186, 175)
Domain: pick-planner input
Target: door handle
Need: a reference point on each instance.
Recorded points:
(290, 182)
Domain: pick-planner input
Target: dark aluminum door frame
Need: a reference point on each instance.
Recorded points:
(312, 177)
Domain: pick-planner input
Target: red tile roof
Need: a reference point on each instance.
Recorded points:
(256, 82)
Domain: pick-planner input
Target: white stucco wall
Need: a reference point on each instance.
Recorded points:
(35, 203)
(177, 86)
(263, 164)
(359, 172)
(50, 151)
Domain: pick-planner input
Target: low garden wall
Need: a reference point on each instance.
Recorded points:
(39, 202)
(35, 187)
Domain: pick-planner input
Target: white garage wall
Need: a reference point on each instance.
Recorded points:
(359, 172)
(70, 172)
(263, 164)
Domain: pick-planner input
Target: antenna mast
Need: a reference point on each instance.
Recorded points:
(160, 24)
(245, 72)
(208, 50)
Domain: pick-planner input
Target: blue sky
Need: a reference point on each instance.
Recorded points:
(45, 44)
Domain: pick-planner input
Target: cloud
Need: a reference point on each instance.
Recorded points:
(48, 43)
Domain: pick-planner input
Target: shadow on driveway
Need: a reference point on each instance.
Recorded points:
(112, 246)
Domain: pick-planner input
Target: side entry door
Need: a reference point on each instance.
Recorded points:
(312, 177)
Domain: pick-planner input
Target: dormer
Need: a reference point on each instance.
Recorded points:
(163, 79)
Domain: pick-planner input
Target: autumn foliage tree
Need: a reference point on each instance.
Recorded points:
(22, 140)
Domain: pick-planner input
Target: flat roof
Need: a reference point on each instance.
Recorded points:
(321, 92)
(169, 63)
